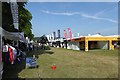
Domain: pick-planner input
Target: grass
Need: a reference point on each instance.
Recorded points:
(73, 64)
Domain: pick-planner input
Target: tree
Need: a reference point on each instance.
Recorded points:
(43, 39)
(24, 19)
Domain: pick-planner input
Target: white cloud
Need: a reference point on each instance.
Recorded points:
(61, 13)
(99, 18)
(100, 13)
(81, 14)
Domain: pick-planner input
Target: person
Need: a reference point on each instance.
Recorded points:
(31, 47)
(19, 55)
(5, 53)
(27, 46)
(37, 48)
(115, 45)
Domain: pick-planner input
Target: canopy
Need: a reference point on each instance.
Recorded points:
(12, 35)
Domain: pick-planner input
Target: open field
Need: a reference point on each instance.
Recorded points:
(70, 64)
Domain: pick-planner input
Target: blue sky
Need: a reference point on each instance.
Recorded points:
(82, 17)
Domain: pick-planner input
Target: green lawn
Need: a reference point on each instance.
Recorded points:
(73, 64)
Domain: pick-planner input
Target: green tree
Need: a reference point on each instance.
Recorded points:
(43, 39)
(24, 19)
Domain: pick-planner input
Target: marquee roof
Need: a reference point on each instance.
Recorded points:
(12, 35)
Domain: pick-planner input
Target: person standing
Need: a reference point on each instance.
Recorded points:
(5, 53)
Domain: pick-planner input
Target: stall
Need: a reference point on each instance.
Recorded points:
(13, 36)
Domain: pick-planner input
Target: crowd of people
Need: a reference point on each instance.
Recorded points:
(10, 52)
(13, 51)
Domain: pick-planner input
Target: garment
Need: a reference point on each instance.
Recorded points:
(14, 52)
(11, 55)
(5, 48)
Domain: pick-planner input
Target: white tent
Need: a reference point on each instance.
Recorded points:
(12, 35)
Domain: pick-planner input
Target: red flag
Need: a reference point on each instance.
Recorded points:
(65, 34)
(70, 33)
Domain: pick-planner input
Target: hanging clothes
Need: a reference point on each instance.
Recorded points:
(14, 52)
(11, 55)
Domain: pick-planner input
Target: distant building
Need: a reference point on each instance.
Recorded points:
(89, 42)
(97, 42)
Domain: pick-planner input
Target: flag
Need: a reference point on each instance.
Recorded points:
(54, 35)
(65, 34)
(70, 33)
(14, 10)
(58, 33)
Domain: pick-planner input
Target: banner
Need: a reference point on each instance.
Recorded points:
(54, 35)
(65, 34)
(58, 33)
(70, 33)
(14, 10)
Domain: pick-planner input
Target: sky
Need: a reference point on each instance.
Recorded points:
(81, 17)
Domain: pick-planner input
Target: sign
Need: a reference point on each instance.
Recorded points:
(14, 10)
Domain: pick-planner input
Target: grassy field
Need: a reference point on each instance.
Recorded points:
(71, 64)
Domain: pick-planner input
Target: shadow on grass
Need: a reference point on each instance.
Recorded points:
(12, 71)
(39, 51)
(49, 52)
